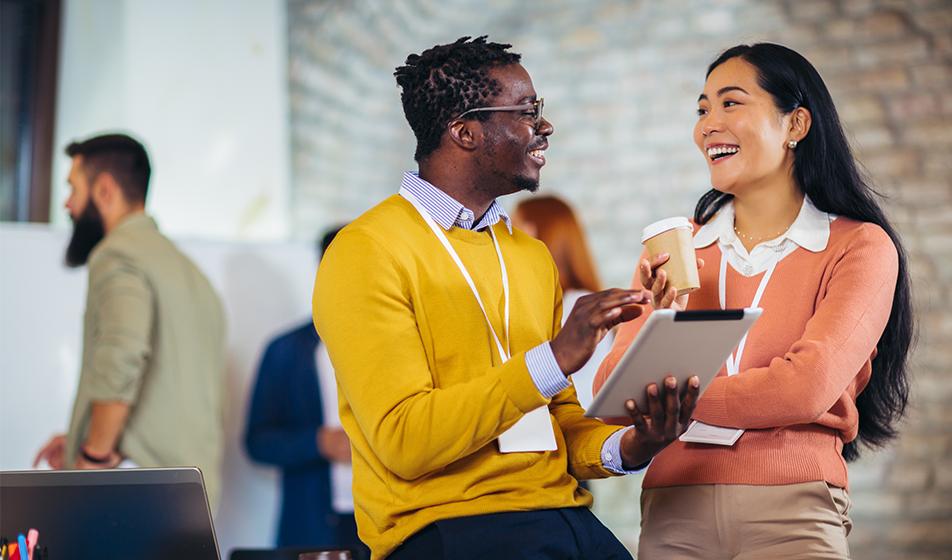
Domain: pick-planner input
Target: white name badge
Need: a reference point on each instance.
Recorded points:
(699, 432)
(533, 432)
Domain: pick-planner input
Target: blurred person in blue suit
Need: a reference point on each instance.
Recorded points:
(293, 424)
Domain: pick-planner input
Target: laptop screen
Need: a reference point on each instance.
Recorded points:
(147, 514)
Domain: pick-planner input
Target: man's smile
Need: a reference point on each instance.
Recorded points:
(537, 154)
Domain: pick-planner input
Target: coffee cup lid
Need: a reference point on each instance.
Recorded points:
(664, 225)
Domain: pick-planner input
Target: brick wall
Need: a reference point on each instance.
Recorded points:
(620, 81)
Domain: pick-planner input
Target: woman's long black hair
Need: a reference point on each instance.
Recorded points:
(825, 170)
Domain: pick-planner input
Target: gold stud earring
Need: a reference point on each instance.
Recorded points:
(792, 144)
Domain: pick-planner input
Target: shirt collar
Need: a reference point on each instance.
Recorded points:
(449, 212)
(811, 229)
(135, 221)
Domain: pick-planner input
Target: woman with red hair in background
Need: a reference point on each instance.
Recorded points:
(552, 221)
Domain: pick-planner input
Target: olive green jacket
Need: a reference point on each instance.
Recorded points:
(154, 337)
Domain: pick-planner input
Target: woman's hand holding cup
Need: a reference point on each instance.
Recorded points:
(671, 274)
(655, 280)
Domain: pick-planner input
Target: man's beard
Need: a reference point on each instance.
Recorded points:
(87, 233)
(520, 182)
(526, 184)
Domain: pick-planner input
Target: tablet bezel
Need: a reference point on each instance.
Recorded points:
(608, 404)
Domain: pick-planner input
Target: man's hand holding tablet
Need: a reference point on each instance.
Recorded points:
(667, 417)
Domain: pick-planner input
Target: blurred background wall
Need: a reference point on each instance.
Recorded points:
(203, 84)
(268, 121)
(621, 79)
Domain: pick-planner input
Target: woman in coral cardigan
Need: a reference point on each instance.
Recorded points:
(792, 227)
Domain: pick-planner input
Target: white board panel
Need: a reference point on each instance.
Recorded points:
(265, 288)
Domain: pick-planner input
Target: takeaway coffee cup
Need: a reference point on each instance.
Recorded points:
(675, 237)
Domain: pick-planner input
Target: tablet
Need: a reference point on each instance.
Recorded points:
(679, 343)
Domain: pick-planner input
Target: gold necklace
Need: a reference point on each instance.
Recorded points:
(753, 239)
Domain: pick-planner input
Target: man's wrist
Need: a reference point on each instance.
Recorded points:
(549, 379)
(96, 458)
(632, 459)
(612, 457)
(559, 359)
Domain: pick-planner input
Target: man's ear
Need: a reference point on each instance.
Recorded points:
(105, 190)
(466, 134)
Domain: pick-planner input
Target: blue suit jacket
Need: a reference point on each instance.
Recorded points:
(282, 429)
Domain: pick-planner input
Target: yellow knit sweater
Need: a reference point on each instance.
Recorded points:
(423, 394)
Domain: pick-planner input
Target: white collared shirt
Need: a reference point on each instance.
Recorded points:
(811, 230)
(342, 474)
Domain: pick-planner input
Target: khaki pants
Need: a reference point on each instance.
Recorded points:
(740, 522)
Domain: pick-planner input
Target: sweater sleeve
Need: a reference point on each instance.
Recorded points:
(364, 312)
(271, 436)
(798, 387)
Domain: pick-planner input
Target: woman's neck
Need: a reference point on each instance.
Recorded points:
(763, 214)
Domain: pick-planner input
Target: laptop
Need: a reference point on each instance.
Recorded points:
(145, 514)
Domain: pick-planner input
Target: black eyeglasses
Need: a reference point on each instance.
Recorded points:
(535, 107)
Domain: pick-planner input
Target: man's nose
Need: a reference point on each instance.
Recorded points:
(545, 128)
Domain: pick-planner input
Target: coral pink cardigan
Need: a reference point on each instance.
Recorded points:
(806, 359)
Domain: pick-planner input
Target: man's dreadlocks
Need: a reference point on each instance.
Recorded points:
(445, 81)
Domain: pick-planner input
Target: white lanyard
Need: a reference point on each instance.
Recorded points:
(733, 361)
(504, 353)
(533, 432)
(699, 432)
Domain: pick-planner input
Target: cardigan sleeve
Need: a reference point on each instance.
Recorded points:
(798, 387)
(364, 312)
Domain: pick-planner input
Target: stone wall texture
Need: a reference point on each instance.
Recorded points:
(620, 81)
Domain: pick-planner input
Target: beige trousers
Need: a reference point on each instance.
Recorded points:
(741, 522)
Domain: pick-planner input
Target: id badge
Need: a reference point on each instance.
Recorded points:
(533, 432)
(699, 432)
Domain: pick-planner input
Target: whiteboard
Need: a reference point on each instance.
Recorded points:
(265, 289)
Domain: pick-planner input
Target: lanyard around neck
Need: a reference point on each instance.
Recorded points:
(504, 353)
(733, 361)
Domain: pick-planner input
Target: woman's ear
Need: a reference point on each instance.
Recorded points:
(800, 122)
(465, 134)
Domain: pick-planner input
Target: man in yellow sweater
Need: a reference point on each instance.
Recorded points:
(442, 323)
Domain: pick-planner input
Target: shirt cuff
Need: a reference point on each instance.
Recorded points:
(545, 371)
(611, 454)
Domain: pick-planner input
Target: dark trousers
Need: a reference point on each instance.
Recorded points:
(346, 530)
(566, 533)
